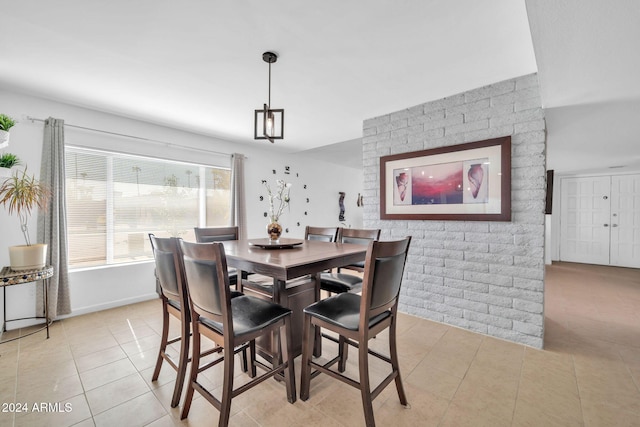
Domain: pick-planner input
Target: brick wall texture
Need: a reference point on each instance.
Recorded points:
(487, 277)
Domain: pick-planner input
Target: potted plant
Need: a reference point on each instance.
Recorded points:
(7, 161)
(22, 193)
(6, 123)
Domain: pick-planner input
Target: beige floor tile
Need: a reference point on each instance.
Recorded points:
(52, 374)
(116, 392)
(48, 389)
(93, 345)
(614, 388)
(495, 402)
(107, 373)
(599, 414)
(138, 411)
(99, 358)
(8, 390)
(142, 344)
(429, 379)
(167, 375)
(533, 415)
(425, 409)
(462, 416)
(147, 359)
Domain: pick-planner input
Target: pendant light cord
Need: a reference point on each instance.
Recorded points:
(269, 97)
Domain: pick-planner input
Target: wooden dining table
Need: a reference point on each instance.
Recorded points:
(293, 267)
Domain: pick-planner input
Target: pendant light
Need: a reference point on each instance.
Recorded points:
(269, 122)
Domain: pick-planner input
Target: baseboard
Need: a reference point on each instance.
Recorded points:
(108, 305)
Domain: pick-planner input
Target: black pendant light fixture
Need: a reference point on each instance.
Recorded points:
(269, 122)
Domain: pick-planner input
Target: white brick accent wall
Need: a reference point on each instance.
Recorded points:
(484, 276)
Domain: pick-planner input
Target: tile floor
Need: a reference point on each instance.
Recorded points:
(98, 368)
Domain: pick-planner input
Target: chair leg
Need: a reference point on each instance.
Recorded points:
(252, 359)
(163, 341)
(182, 362)
(245, 361)
(343, 352)
(289, 373)
(193, 375)
(395, 366)
(227, 388)
(365, 386)
(307, 349)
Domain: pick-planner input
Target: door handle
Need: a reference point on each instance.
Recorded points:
(614, 225)
(606, 225)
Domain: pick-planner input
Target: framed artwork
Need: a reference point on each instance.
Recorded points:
(466, 182)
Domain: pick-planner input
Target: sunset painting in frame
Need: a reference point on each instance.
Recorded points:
(463, 182)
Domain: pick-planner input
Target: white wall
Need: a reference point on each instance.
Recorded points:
(100, 288)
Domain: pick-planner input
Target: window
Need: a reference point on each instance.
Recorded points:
(115, 200)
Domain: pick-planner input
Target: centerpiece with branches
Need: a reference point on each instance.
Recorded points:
(278, 200)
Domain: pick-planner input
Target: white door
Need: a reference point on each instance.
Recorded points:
(625, 221)
(584, 220)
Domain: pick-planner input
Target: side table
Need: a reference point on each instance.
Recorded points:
(9, 277)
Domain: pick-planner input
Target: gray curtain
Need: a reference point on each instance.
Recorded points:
(238, 206)
(52, 222)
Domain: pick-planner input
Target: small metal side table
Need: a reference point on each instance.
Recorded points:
(9, 277)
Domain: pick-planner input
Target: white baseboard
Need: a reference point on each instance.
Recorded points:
(84, 310)
(108, 305)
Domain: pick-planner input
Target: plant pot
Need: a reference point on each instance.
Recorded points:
(4, 138)
(25, 257)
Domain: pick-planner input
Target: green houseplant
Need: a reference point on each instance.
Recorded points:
(21, 193)
(7, 161)
(6, 123)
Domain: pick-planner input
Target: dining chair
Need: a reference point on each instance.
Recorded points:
(219, 234)
(356, 319)
(324, 234)
(233, 324)
(169, 273)
(338, 282)
(358, 236)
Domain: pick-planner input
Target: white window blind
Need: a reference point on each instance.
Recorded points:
(115, 200)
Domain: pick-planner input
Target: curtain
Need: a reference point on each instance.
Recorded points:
(238, 205)
(52, 222)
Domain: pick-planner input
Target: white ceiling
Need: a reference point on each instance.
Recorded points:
(588, 57)
(198, 66)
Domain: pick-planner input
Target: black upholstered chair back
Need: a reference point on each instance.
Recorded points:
(358, 236)
(384, 267)
(215, 234)
(166, 252)
(205, 268)
(324, 234)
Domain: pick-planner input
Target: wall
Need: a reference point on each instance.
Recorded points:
(100, 288)
(484, 276)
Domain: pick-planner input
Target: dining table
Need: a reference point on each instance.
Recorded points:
(287, 272)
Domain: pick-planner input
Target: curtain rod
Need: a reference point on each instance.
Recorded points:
(155, 141)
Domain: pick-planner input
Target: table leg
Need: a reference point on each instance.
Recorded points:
(4, 313)
(45, 285)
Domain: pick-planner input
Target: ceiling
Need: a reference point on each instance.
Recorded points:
(199, 67)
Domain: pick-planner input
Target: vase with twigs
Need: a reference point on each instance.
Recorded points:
(278, 200)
